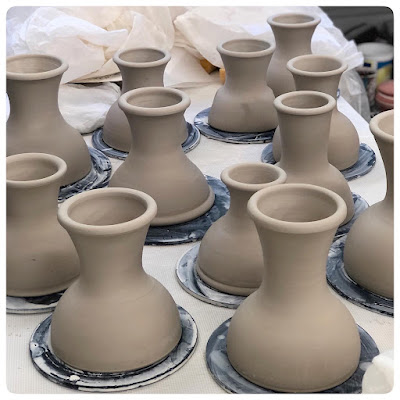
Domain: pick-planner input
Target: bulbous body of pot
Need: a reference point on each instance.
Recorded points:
(293, 33)
(35, 123)
(41, 258)
(157, 164)
(304, 119)
(293, 334)
(115, 317)
(322, 74)
(369, 247)
(245, 102)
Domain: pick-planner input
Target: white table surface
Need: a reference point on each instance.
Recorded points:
(211, 157)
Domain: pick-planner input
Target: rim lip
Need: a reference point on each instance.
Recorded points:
(252, 187)
(278, 103)
(100, 230)
(321, 225)
(134, 64)
(58, 162)
(244, 54)
(377, 131)
(35, 76)
(314, 22)
(296, 71)
(128, 108)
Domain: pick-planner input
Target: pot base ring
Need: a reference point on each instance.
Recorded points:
(58, 372)
(231, 381)
(195, 286)
(193, 230)
(366, 161)
(189, 144)
(201, 122)
(98, 177)
(350, 290)
(33, 304)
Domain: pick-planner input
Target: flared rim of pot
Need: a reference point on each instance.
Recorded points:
(297, 208)
(293, 20)
(252, 177)
(88, 213)
(154, 101)
(141, 57)
(246, 48)
(382, 126)
(35, 170)
(304, 102)
(332, 65)
(31, 67)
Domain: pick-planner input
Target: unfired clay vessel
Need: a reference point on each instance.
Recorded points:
(156, 163)
(293, 33)
(244, 103)
(115, 317)
(304, 120)
(230, 256)
(322, 74)
(140, 67)
(368, 252)
(293, 334)
(35, 123)
(41, 258)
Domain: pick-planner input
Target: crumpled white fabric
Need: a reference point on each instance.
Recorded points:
(379, 377)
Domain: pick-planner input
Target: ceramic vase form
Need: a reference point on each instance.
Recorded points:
(35, 123)
(304, 121)
(115, 317)
(293, 334)
(322, 74)
(156, 163)
(369, 248)
(230, 256)
(293, 33)
(245, 102)
(41, 258)
(140, 67)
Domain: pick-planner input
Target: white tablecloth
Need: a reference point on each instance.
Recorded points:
(211, 157)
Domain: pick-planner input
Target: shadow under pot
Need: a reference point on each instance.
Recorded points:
(157, 164)
(140, 67)
(304, 121)
(35, 124)
(230, 255)
(322, 74)
(245, 102)
(41, 258)
(114, 317)
(293, 334)
(369, 248)
(293, 33)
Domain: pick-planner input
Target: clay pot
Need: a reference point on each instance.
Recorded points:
(368, 252)
(293, 33)
(322, 74)
(230, 256)
(35, 123)
(293, 334)
(41, 258)
(156, 163)
(244, 102)
(304, 120)
(115, 317)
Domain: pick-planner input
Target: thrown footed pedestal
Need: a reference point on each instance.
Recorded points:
(156, 163)
(115, 317)
(35, 123)
(293, 334)
(230, 255)
(369, 247)
(41, 258)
